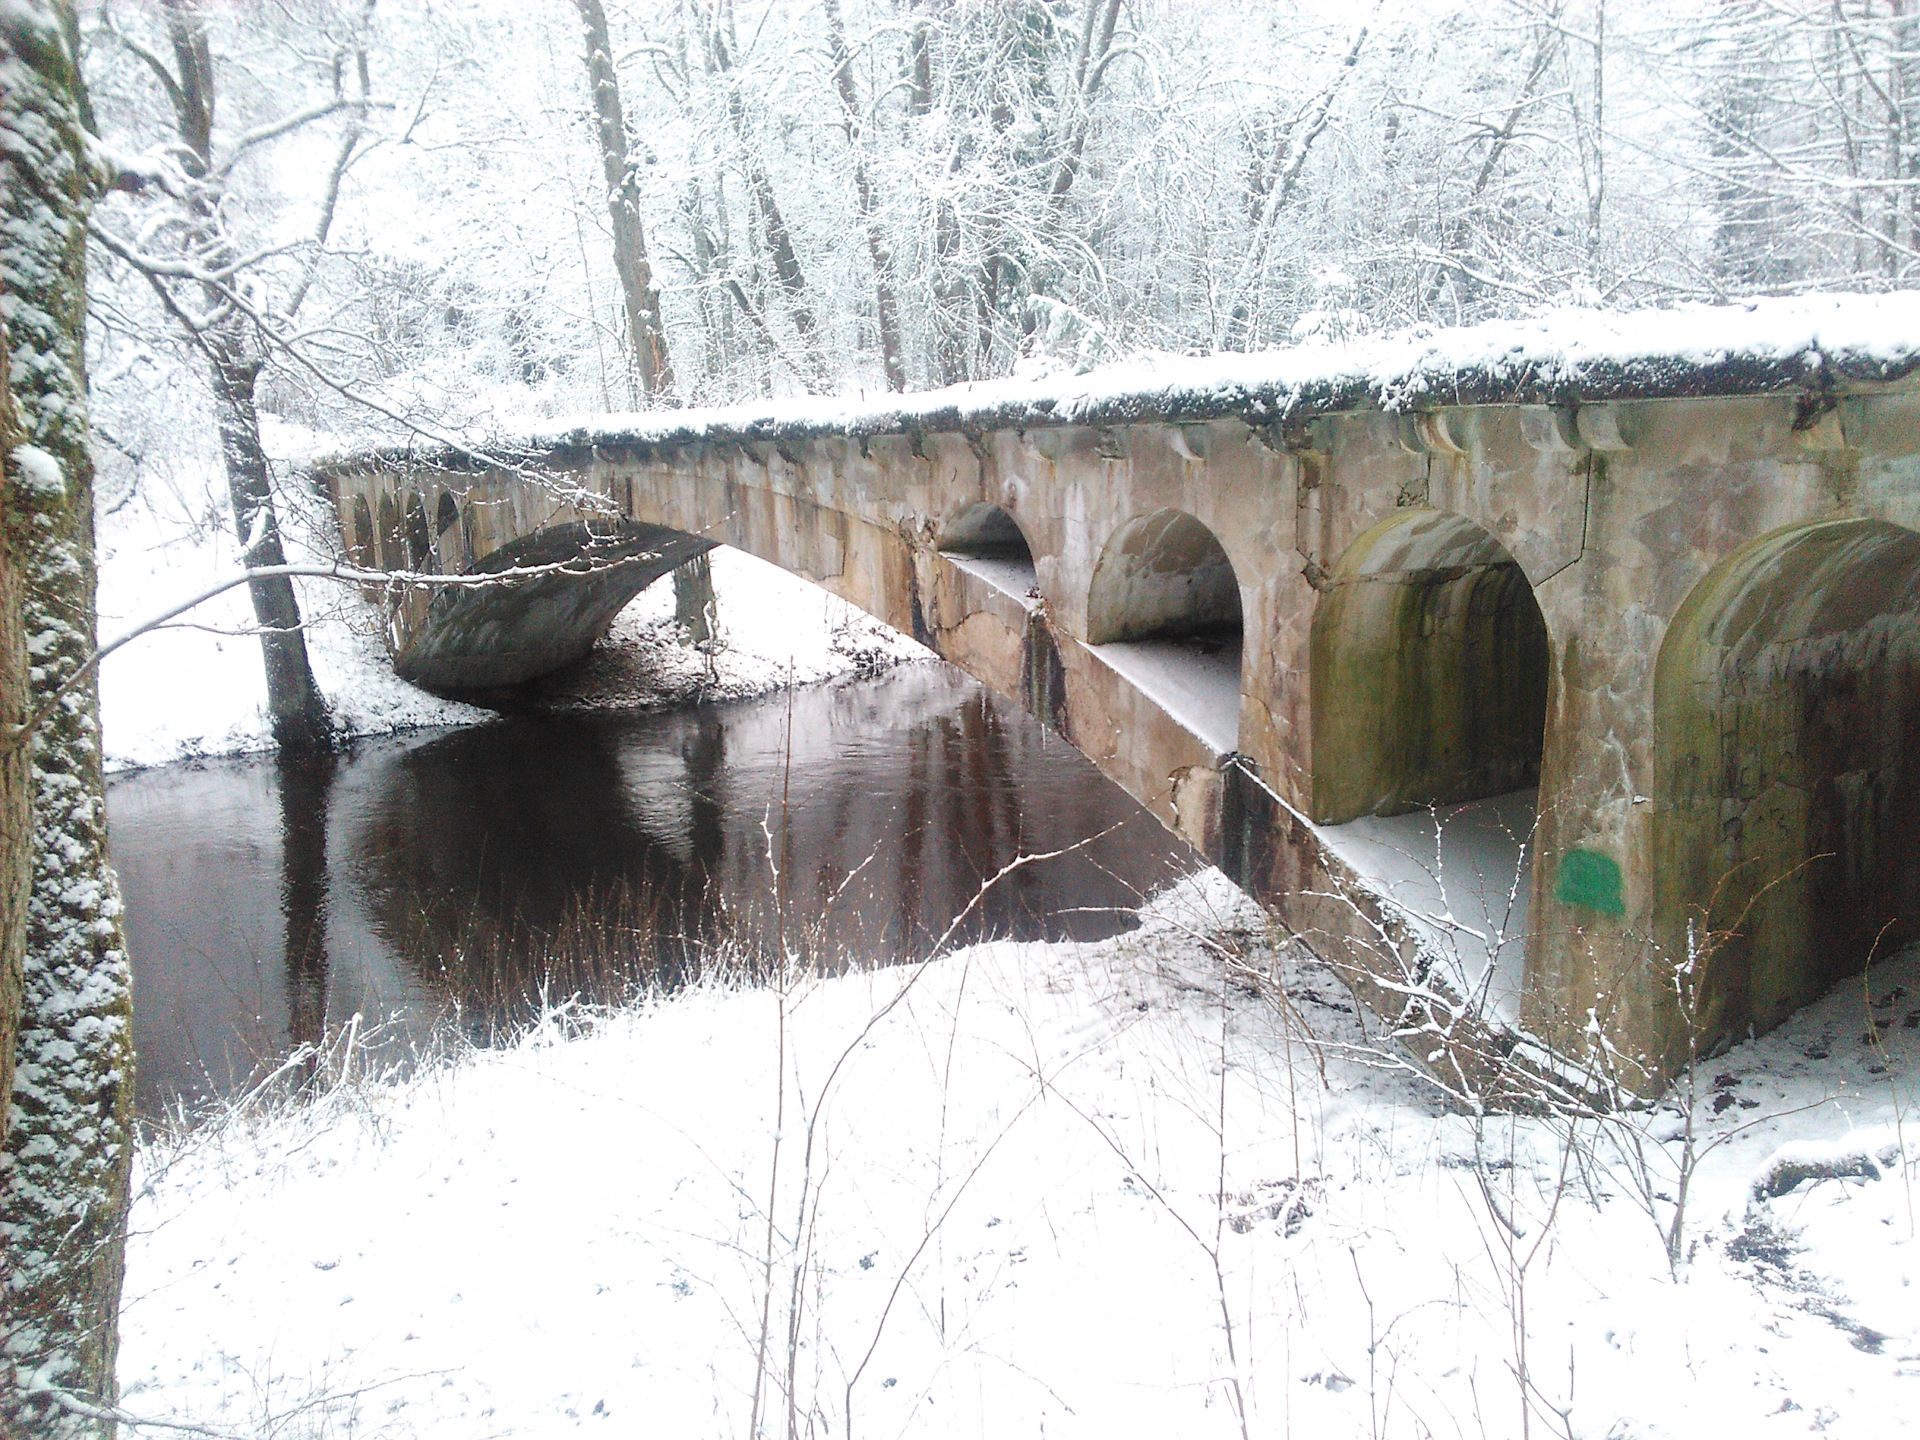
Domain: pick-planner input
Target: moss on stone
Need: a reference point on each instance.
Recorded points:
(1429, 681)
(1787, 736)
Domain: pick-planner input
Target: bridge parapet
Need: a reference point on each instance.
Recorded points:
(1293, 604)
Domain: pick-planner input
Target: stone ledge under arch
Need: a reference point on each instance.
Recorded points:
(1164, 613)
(984, 540)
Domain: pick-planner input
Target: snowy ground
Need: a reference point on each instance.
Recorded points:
(197, 688)
(1032, 1190)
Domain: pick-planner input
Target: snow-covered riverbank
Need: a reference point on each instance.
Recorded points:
(1028, 1190)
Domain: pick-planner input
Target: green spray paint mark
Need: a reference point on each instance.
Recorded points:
(1591, 879)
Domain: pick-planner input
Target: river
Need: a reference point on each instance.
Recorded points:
(441, 878)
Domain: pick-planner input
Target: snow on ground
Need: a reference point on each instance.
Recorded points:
(197, 687)
(1034, 1190)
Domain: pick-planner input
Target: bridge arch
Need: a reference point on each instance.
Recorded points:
(1163, 609)
(1163, 576)
(1430, 659)
(419, 537)
(985, 532)
(447, 514)
(1787, 765)
(986, 541)
(360, 536)
(389, 535)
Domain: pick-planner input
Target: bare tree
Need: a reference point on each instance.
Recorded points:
(646, 335)
(236, 305)
(647, 338)
(879, 252)
(771, 226)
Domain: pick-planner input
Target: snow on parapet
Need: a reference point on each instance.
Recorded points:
(1806, 342)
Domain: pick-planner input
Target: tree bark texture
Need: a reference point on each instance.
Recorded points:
(16, 809)
(647, 337)
(64, 1172)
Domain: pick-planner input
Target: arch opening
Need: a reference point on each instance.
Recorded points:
(1787, 764)
(1429, 682)
(986, 541)
(419, 537)
(389, 541)
(447, 515)
(1164, 610)
(1429, 696)
(361, 541)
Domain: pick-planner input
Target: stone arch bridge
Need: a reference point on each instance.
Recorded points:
(1503, 666)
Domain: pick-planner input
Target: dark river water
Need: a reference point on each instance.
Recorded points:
(445, 877)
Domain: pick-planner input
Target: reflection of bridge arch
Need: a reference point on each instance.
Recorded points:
(1430, 660)
(1788, 731)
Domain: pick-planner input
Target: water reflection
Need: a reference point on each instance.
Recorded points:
(451, 873)
(304, 782)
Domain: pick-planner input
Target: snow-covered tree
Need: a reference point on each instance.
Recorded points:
(64, 1171)
(200, 231)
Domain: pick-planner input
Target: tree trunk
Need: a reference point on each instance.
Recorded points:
(1096, 42)
(63, 1177)
(693, 599)
(647, 340)
(772, 227)
(16, 810)
(886, 306)
(950, 323)
(647, 337)
(294, 703)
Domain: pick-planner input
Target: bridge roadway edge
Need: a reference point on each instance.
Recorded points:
(1613, 510)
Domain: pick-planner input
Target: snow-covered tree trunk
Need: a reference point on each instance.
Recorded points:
(886, 306)
(63, 1176)
(294, 702)
(646, 336)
